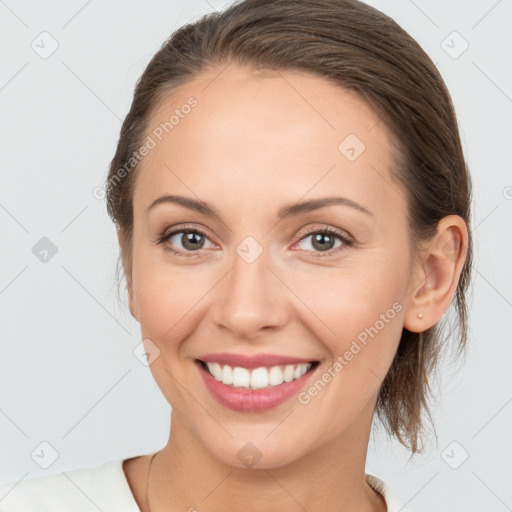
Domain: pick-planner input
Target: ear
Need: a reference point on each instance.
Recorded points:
(128, 276)
(436, 274)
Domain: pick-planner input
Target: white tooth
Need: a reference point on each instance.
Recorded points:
(259, 378)
(288, 373)
(275, 376)
(227, 375)
(241, 377)
(216, 371)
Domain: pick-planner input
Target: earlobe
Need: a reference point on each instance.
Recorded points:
(437, 275)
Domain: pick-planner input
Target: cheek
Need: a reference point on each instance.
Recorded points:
(364, 315)
(338, 305)
(361, 304)
(167, 296)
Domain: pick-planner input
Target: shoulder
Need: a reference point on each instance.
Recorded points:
(102, 487)
(393, 502)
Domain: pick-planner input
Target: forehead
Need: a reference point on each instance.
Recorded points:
(278, 136)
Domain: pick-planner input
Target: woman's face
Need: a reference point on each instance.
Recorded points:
(255, 278)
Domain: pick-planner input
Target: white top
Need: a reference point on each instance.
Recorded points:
(104, 488)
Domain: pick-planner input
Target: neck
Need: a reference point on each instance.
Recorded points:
(186, 476)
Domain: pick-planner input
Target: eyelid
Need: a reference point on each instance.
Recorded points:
(166, 234)
(346, 239)
(185, 227)
(319, 227)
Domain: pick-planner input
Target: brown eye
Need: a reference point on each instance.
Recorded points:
(324, 241)
(185, 242)
(190, 240)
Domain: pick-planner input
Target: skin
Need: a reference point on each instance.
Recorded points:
(253, 144)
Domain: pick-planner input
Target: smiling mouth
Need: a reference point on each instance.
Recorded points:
(263, 377)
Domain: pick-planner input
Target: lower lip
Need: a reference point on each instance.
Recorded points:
(258, 400)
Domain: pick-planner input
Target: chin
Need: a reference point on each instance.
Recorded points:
(260, 453)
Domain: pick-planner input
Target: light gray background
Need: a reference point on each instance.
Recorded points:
(68, 376)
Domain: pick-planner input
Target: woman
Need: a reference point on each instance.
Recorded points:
(292, 207)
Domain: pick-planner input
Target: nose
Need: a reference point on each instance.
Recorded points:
(251, 301)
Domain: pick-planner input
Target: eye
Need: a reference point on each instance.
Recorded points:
(192, 240)
(323, 241)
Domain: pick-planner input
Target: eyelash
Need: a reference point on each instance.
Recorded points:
(347, 242)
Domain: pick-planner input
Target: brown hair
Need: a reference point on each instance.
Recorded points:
(362, 50)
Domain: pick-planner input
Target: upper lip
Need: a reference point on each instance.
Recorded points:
(252, 361)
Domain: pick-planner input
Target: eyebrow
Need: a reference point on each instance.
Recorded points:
(284, 212)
